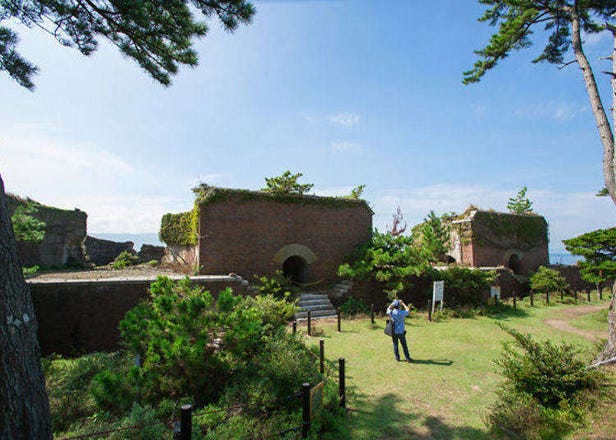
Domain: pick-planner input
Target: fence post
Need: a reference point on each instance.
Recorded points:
(322, 356)
(186, 422)
(562, 294)
(372, 313)
(600, 290)
(309, 323)
(294, 327)
(515, 303)
(305, 409)
(576, 296)
(547, 298)
(532, 301)
(338, 313)
(430, 310)
(341, 384)
(588, 294)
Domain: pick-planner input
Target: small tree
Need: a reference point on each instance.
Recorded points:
(548, 281)
(286, 183)
(396, 228)
(356, 192)
(432, 237)
(520, 204)
(599, 251)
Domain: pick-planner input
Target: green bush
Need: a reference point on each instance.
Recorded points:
(464, 286)
(112, 391)
(29, 271)
(548, 281)
(354, 306)
(277, 285)
(125, 259)
(546, 390)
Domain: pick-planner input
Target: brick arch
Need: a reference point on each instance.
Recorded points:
(295, 250)
(507, 260)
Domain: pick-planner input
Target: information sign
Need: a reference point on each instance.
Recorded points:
(438, 287)
(495, 292)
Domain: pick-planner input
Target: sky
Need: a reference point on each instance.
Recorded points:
(347, 92)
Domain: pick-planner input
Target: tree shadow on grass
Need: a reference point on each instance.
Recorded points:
(383, 420)
(505, 312)
(441, 362)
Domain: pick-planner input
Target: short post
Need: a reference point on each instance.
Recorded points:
(305, 409)
(338, 313)
(515, 303)
(588, 294)
(341, 384)
(547, 298)
(495, 300)
(600, 290)
(562, 294)
(372, 313)
(430, 310)
(576, 296)
(186, 422)
(294, 327)
(309, 323)
(322, 356)
(532, 301)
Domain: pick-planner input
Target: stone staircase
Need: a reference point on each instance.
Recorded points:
(318, 303)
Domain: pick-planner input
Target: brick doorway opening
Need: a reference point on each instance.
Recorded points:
(295, 268)
(515, 263)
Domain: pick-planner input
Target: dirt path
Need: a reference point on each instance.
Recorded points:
(561, 321)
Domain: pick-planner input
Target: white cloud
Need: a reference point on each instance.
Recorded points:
(568, 214)
(344, 119)
(346, 147)
(556, 111)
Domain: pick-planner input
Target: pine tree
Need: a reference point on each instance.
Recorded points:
(286, 183)
(520, 204)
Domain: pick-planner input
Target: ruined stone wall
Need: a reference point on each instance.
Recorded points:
(244, 236)
(77, 317)
(102, 252)
(65, 232)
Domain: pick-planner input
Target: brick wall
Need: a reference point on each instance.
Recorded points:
(82, 316)
(243, 236)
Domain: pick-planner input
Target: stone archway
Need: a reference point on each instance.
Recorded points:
(294, 260)
(513, 260)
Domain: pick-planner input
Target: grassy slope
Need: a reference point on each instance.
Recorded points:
(447, 390)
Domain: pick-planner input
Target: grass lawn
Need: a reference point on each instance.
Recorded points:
(445, 393)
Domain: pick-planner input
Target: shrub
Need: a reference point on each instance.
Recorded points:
(179, 229)
(112, 392)
(464, 286)
(546, 388)
(277, 285)
(354, 306)
(125, 259)
(547, 281)
(29, 271)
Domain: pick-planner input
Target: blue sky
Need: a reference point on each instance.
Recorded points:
(347, 92)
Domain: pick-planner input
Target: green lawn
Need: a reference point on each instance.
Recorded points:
(445, 393)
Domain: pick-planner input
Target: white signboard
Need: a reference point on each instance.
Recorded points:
(495, 292)
(438, 287)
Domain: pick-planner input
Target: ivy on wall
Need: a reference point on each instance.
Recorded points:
(179, 229)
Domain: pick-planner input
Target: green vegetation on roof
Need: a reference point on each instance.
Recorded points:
(207, 195)
(180, 229)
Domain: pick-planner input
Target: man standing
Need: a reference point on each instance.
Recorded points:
(397, 310)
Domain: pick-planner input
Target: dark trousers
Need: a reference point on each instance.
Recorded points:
(402, 338)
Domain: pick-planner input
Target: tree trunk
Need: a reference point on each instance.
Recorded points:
(603, 125)
(24, 409)
(607, 140)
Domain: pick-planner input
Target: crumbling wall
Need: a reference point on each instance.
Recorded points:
(65, 231)
(102, 252)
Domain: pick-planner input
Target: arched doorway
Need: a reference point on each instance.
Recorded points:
(295, 268)
(514, 262)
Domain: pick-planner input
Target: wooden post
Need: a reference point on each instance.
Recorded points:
(532, 301)
(562, 294)
(305, 409)
(294, 327)
(186, 422)
(430, 310)
(588, 294)
(515, 303)
(600, 290)
(547, 298)
(322, 356)
(309, 323)
(338, 313)
(372, 313)
(576, 296)
(341, 384)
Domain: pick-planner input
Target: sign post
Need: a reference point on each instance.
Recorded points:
(438, 287)
(495, 292)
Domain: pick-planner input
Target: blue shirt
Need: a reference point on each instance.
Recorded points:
(398, 317)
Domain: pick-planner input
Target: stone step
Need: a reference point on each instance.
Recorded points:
(313, 302)
(313, 296)
(318, 308)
